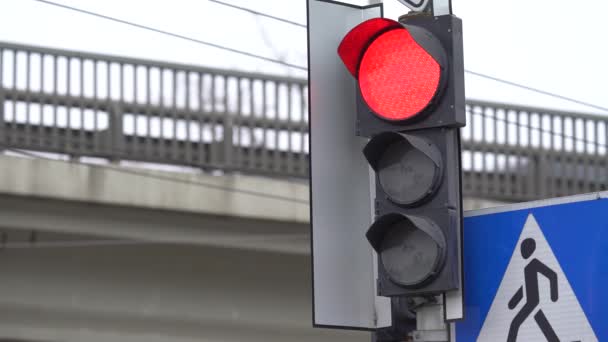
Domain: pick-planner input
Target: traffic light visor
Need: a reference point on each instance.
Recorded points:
(409, 168)
(356, 41)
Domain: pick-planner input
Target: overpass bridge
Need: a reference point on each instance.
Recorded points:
(97, 243)
(118, 108)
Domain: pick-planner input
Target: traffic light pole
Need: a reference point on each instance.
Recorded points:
(418, 319)
(430, 323)
(442, 7)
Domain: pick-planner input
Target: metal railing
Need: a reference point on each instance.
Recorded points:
(121, 108)
(130, 109)
(523, 153)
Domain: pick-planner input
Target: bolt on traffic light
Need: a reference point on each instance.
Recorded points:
(410, 103)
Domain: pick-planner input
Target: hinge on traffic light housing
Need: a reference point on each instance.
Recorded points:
(427, 13)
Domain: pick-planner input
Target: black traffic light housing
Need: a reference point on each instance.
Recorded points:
(416, 160)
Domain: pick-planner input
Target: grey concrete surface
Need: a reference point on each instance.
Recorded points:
(157, 293)
(73, 181)
(195, 263)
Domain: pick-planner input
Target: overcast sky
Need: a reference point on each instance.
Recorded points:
(545, 44)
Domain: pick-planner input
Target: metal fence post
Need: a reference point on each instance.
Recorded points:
(116, 143)
(228, 148)
(2, 125)
(540, 175)
(3, 139)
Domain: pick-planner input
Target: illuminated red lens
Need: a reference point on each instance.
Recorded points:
(354, 42)
(397, 77)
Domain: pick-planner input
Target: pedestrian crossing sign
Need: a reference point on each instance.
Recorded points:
(536, 271)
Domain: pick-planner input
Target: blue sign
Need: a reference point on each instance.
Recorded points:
(536, 272)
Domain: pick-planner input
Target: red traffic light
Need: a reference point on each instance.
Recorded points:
(400, 69)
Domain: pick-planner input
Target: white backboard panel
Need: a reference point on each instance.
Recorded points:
(344, 294)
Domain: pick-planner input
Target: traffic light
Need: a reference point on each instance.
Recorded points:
(410, 104)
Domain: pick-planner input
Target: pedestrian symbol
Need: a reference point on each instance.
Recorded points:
(531, 272)
(535, 301)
